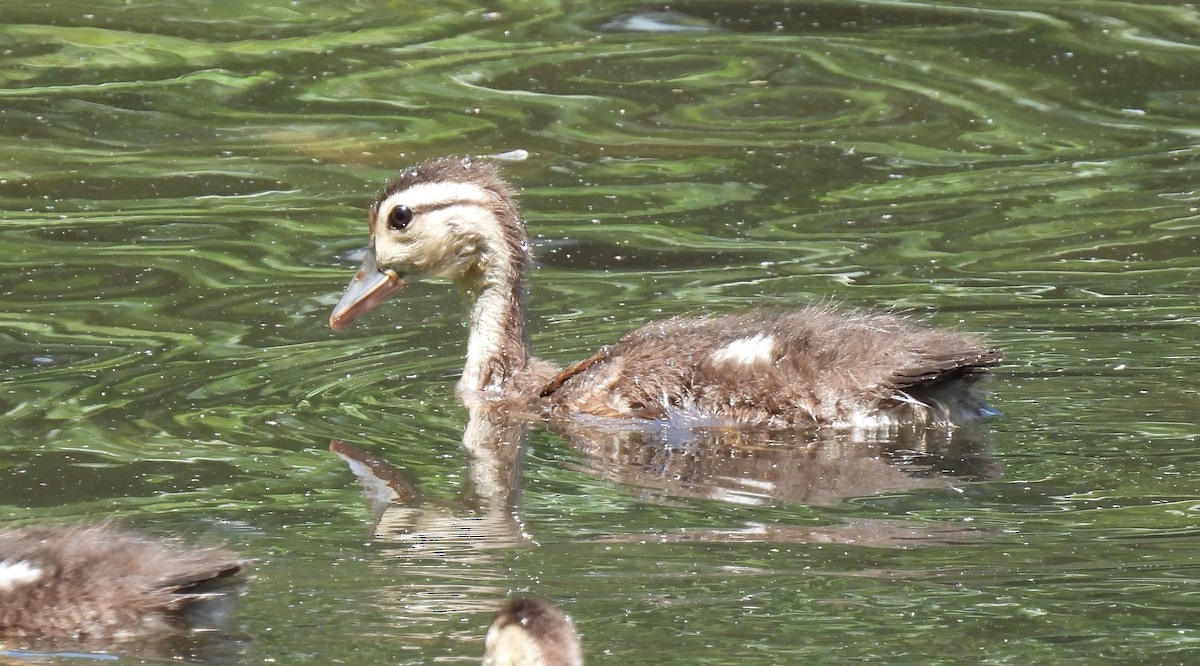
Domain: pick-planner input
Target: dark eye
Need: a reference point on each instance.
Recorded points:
(399, 217)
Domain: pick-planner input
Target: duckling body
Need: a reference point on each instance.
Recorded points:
(816, 365)
(101, 582)
(530, 631)
(457, 219)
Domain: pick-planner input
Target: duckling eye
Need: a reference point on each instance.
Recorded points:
(399, 217)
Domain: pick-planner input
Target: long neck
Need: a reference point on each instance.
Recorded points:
(498, 346)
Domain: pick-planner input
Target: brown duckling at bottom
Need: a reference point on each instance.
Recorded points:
(103, 582)
(530, 631)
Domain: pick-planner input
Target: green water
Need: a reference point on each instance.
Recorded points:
(182, 195)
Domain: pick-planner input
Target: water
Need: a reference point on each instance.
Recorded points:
(182, 191)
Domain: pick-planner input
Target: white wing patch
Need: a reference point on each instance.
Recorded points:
(17, 573)
(758, 348)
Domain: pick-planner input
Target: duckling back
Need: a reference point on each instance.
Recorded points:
(102, 582)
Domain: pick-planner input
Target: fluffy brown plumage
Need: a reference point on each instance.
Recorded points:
(812, 366)
(530, 631)
(101, 581)
(456, 219)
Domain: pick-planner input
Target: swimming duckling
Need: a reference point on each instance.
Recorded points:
(102, 582)
(530, 631)
(457, 219)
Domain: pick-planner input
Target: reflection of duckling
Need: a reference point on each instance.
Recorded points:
(102, 582)
(531, 632)
(455, 218)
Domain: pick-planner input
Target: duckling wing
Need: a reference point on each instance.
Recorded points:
(574, 369)
(193, 572)
(929, 371)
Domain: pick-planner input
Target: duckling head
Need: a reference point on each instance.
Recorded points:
(530, 631)
(448, 218)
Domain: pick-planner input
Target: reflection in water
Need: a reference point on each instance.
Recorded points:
(871, 533)
(766, 467)
(216, 648)
(452, 551)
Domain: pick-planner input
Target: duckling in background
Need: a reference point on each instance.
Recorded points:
(530, 631)
(457, 218)
(103, 582)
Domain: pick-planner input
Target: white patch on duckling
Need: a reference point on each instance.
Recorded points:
(758, 348)
(17, 573)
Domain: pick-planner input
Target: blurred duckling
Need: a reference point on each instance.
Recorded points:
(530, 631)
(104, 582)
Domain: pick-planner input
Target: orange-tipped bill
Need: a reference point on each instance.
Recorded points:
(369, 288)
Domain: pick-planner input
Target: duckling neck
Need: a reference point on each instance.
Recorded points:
(498, 344)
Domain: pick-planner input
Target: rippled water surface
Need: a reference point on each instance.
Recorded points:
(182, 194)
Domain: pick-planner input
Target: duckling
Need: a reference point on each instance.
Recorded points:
(457, 218)
(530, 631)
(102, 582)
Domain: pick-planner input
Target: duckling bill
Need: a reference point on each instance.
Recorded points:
(370, 287)
(457, 218)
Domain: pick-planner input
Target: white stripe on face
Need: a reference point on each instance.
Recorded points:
(438, 195)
